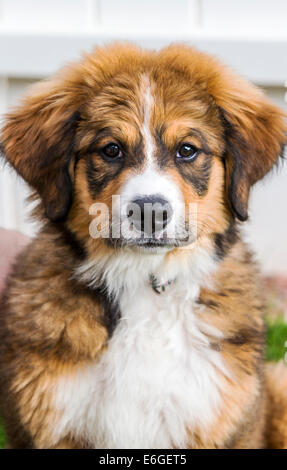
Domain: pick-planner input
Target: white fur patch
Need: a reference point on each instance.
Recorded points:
(145, 129)
(159, 376)
(150, 183)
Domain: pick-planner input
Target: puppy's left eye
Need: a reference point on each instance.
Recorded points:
(187, 152)
(112, 151)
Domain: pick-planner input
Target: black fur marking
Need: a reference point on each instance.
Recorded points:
(93, 146)
(57, 208)
(194, 173)
(99, 175)
(208, 303)
(198, 177)
(247, 336)
(162, 153)
(235, 147)
(66, 238)
(70, 239)
(224, 241)
(112, 316)
(234, 187)
(110, 307)
(136, 156)
(98, 178)
(204, 145)
(132, 157)
(235, 291)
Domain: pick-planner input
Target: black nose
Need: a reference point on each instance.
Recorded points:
(149, 214)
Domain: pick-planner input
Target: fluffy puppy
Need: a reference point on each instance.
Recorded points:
(154, 340)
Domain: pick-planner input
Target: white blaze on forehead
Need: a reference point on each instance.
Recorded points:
(148, 103)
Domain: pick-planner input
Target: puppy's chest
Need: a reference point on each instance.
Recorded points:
(157, 378)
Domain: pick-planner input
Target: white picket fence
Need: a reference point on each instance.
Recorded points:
(38, 36)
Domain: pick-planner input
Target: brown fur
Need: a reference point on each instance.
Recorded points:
(51, 323)
(276, 383)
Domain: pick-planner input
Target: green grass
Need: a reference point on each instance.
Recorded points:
(275, 350)
(2, 436)
(276, 339)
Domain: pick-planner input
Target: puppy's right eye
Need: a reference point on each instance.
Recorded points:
(112, 152)
(187, 152)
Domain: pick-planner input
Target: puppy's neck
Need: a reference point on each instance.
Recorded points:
(128, 271)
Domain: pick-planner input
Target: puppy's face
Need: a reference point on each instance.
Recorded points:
(150, 149)
(145, 150)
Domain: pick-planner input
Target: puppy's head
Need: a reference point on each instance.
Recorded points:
(145, 136)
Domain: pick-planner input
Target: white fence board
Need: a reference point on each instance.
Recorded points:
(245, 16)
(146, 16)
(47, 15)
(22, 55)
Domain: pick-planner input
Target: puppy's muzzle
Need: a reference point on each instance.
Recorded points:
(149, 214)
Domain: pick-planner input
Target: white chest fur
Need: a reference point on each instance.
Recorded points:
(157, 378)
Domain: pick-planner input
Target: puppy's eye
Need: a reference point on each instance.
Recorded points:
(187, 152)
(112, 151)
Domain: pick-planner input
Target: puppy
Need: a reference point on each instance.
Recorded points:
(153, 336)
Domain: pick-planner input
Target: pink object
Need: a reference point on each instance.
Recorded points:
(276, 295)
(11, 243)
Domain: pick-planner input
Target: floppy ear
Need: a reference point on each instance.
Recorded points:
(255, 134)
(38, 139)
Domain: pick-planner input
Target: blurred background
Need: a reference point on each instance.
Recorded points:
(38, 36)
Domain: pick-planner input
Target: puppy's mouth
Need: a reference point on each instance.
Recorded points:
(151, 243)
